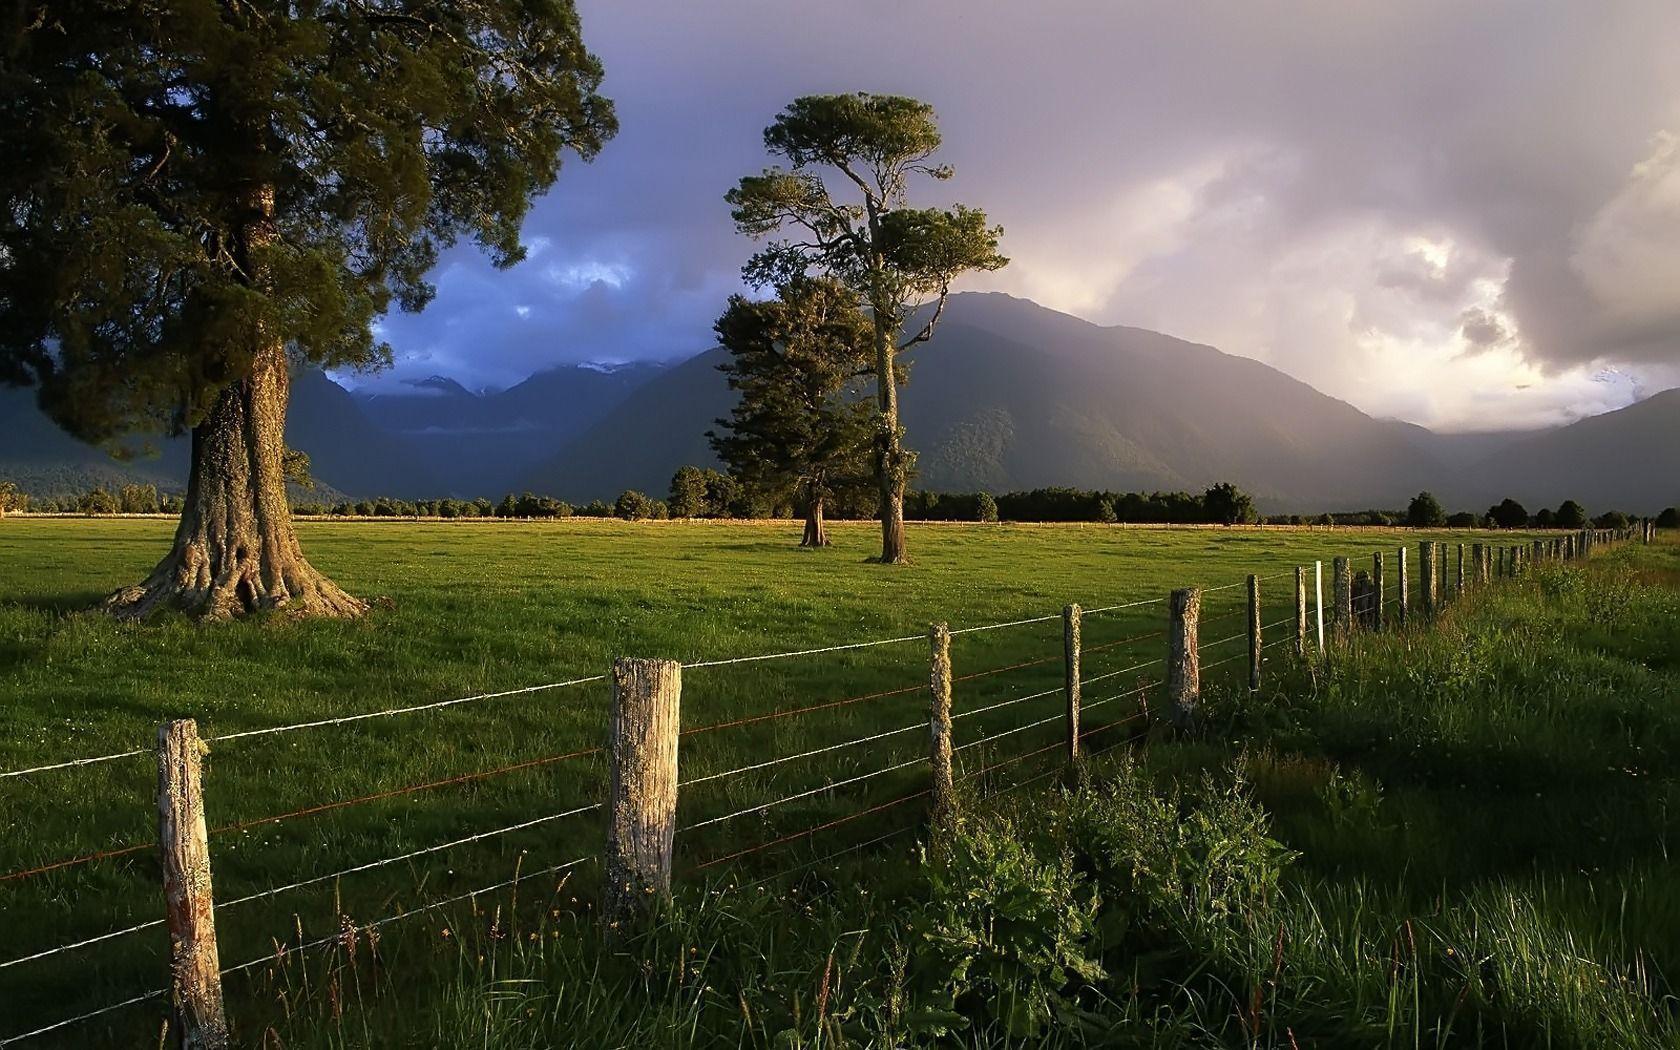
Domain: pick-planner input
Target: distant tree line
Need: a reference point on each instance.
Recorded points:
(702, 492)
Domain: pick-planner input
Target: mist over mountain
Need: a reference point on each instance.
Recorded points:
(1008, 395)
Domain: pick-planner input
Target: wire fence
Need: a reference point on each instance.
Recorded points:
(991, 748)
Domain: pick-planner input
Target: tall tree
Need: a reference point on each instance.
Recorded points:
(796, 430)
(1425, 512)
(198, 196)
(895, 259)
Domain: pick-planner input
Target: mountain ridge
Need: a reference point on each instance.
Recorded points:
(1009, 395)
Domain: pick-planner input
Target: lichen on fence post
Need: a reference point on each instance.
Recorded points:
(944, 792)
(1403, 589)
(198, 1019)
(1300, 610)
(1379, 590)
(1342, 575)
(641, 786)
(1184, 670)
(1070, 676)
(1426, 578)
(1253, 631)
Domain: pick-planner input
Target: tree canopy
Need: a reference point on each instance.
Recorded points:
(197, 196)
(893, 258)
(799, 427)
(137, 138)
(1425, 512)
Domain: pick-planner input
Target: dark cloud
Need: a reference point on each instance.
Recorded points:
(1336, 189)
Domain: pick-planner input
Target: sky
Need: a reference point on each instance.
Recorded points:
(1464, 215)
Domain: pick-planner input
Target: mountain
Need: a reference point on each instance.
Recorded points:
(1013, 395)
(1009, 395)
(347, 452)
(484, 444)
(1628, 460)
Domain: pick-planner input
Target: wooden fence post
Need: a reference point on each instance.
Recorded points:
(1403, 592)
(1184, 668)
(198, 1018)
(1253, 631)
(641, 786)
(1426, 578)
(1363, 592)
(1379, 591)
(1070, 676)
(1344, 600)
(1443, 561)
(1318, 600)
(1300, 610)
(944, 791)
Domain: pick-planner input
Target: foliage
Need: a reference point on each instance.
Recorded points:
(1225, 504)
(1461, 520)
(1571, 515)
(1508, 514)
(1611, 519)
(138, 499)
(1425, 512)
(636, 506)
(798, 428)
(892, 258)
(1004, 932)
(144, 271)
(985, 507)
(687, 498)
(1669, 518)
(98, 501)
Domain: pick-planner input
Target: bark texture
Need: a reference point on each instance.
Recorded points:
(642, 786)
(1071, 618)
(816, 532)
(1300, 610)
(198, 1021)
(236, 551)
(1253, 632)
(1184, 669)
(944, 792)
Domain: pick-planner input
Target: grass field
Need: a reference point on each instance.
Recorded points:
(1532, 749)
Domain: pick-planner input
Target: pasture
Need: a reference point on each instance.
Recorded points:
(1528, 742)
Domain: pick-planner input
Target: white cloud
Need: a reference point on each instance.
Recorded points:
(1628, 254)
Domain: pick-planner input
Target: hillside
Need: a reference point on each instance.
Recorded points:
(1011, 395)
(1628, 459)
(1016, 396)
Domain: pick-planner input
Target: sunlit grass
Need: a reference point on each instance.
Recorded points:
(491, 606)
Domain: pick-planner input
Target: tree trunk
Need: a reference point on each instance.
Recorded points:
(235, 550)
(890, 466)
(816, 535)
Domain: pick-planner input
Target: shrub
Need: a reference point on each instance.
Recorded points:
(97, 501)
(632, 506)
(985, 507)
(1004, 932)
(1426, 512)
(1669, 519)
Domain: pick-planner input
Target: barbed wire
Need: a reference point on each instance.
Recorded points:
(801, 795)
(803, 754)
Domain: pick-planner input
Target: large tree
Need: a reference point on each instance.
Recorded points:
(797, 428)
(894, 258)
(199, 196)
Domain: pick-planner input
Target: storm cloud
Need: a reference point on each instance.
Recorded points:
(1465, 215)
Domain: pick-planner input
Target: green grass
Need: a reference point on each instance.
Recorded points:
(1416, 770)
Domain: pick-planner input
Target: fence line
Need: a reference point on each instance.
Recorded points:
(1352, 612)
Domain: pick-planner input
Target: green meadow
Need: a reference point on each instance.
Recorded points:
(1498, 783)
